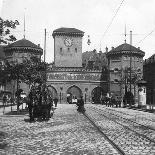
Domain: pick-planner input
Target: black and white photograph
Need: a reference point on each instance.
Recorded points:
(77, 77)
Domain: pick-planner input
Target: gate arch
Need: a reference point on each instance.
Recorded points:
(52, 91)
(72, 92)
(96, 94)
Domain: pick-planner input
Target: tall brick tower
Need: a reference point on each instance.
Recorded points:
(68, 47)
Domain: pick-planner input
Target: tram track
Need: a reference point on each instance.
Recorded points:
(119, 134)
(115, 146)
(121, 112)
(142, 130)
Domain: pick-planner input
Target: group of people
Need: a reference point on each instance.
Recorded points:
(110, 101)
(40, 103)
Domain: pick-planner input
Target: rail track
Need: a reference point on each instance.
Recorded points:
(119, 132)
(115, 146)
(146, 119)
(139, 129)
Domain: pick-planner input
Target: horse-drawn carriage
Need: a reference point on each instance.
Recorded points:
(40, 103)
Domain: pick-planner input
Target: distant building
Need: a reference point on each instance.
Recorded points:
(149, 77)
(16, 53)
(121, 80)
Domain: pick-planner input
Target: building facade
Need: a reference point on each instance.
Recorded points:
(125, 64)
(16, 53)
(149, 77)
(68, 77)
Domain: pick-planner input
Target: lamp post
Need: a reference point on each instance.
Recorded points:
(61, 88)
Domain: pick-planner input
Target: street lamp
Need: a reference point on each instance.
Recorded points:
(61, 88)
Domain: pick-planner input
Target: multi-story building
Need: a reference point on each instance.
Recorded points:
(149, 77)
(69, 76)
(125, 64)
(16, 53)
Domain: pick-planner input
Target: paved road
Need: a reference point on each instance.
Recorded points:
(67, 133)
(131, 137)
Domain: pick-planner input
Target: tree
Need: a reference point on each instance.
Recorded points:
(34, 71)
(5, 30)
(30, 71)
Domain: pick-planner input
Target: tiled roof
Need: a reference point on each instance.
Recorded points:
(67, 31)
(125, 48)
(99, 59)
(23, 43)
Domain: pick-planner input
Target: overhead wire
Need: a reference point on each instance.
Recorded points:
(112, 19)
(146, 36)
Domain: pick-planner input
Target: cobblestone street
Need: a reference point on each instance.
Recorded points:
(67, 132)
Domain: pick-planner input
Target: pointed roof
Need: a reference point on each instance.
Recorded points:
(23, 43)
(126, 48)
(67, 31)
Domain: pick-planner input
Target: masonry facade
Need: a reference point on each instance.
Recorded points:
(125, 64)
(68, 77)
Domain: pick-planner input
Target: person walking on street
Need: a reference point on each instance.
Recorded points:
(81, 105)
(4, 102)
(55, 101)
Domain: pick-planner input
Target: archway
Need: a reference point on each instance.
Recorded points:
(52, 91)
(73, 91)
(96, 95)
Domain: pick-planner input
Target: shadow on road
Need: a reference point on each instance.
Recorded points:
(20, 112)
(3, 144)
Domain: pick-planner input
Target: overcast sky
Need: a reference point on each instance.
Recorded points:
(90, 16)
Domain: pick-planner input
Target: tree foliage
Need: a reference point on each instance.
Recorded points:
(5, 30)
(35, 71)
(30, 71)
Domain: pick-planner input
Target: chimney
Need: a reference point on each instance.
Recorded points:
(38, 45)
(139, 48)
(112, 47)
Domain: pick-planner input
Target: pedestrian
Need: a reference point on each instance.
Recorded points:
(55, 101)
(81, 105)
(30, 105)
(12, 102)
(4, 102)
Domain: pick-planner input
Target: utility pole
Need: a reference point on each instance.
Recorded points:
(45, 55)
(130, 63)
(45, 47)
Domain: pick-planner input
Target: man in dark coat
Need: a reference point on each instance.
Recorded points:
(55, 101)
(81, 105)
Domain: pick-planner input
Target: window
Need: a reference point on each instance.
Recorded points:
(144, 90)
(116, 69)
(76, 50)
(60, 49)
(138, 70)
(68, 49)
(116, 80)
